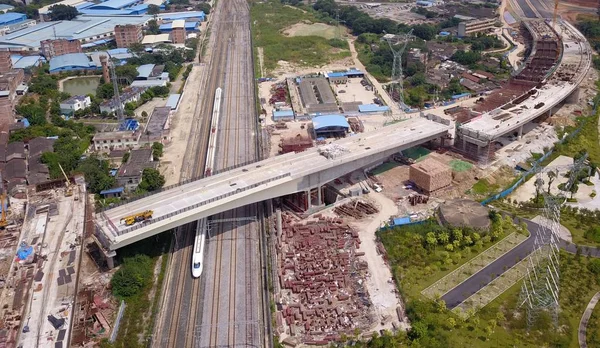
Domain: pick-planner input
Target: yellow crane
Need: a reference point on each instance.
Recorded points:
(3, 222)
(132, 219)
(68, 190)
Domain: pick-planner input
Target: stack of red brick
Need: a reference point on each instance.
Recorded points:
(319, 264)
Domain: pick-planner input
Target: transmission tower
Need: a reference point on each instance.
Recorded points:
(397, 79)
(541, 284)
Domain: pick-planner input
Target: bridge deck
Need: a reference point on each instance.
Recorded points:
(269, 172)
(575, 62)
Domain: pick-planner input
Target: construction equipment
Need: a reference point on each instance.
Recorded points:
(69, 189)
(3, 222)
(139, 217)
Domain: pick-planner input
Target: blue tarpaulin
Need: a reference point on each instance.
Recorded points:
(399, 221)
(24, 252)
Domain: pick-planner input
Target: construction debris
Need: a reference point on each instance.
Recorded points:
(332, 151)
(356, 209)
(322, 281)
(418, 199)
(279, 94)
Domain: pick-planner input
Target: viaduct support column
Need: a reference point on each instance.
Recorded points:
(110, 259)
(520, 133)
(308, 199)
(319, 195)
(278, 216)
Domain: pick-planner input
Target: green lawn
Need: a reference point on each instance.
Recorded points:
(270, 18)
(593, 328)
(502, 323)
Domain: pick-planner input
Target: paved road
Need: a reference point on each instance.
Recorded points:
(584, 320)
(480, 279)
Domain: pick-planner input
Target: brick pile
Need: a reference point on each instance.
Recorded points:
(320, 276)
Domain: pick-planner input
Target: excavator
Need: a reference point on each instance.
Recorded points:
(3, 222)
(139, 217)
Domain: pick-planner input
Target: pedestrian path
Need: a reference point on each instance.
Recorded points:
(585, 318)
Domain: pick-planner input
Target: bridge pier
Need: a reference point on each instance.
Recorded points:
(520, 133)
(110, 259)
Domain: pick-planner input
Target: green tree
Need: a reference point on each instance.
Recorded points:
(551, 176)
(153, 27)
(105, 91)
(151, 180)
(132, 277)
(204, 7)
(127, 71)
(153, 10)
(63, 12)
(96, 174)
(443, 238)
(594, 266)
(157, 150)
(430, 240)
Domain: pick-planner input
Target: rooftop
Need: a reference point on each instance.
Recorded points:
(138, 161)
(158, 120)
(20, 62)
(114, 135)
(320, 122)
(79, 60)
(181, 15)
(430, 166)
(39, 145)
(82, 27)
(11, 18)
(113, 4)
(155, 39)
(74, 99)
(178, 23)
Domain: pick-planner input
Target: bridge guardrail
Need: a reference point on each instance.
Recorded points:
(181, 183)
(199, 204)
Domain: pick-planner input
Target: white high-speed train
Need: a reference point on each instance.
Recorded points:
(202, 228)
(198, 254)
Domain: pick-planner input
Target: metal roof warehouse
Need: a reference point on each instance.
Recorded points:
(330, 125)
(12, 18)
(86, 28)
(71, 61)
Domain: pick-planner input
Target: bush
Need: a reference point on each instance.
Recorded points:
(131, 279)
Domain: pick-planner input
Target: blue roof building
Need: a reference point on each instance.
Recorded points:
(369, 108)
(281, 115)
(330, 126)
(12, 18)
(71, 62)
(189, 26)
(183, 15)
(114, 5)
(20, 62)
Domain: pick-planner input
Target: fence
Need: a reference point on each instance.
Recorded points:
(115, 331)
(199, 204)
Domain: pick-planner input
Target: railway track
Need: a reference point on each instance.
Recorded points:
(222, 307)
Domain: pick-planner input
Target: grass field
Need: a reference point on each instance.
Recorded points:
(474, 265)
(417, 153)
(384, 167)
(460, 166)
(271, 18)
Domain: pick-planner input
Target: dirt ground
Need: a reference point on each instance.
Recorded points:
(314, 29)
(172, 160)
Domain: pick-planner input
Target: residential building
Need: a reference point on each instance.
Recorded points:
(75, 103)
(58, 47)
(9, 85)
(71, 62)
(475, 26)
(128, 95)
(130, 173)
(119, 140)
(128, 34)
(158, 126)
(415, 55)
(178, 32)
(152, 72)
(37, 171)
(5, 62)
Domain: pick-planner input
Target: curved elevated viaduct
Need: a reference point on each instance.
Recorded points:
(558, 63)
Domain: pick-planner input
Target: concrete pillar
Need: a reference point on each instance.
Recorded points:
(278, 217)
(478, 149)
(319, 195)
(520, 133)
(308, 199)
(110, 259)
(464, 145)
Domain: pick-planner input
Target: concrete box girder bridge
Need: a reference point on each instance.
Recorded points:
(267, 179)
